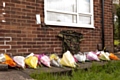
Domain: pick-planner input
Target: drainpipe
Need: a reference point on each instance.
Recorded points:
(103, 40)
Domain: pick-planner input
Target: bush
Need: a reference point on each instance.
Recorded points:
(118, 20)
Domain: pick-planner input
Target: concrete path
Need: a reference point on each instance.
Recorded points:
(14, 75)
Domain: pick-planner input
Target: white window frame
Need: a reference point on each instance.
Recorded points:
(69, 24)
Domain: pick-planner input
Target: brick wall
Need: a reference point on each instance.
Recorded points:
(108, 25)
(26, 37)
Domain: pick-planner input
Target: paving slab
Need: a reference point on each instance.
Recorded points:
(3, 67)
(14, 75)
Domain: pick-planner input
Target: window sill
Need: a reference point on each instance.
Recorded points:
(69, 25)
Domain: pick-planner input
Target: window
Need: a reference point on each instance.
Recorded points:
(75, 13)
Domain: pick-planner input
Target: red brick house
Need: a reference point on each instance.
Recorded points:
(21, 35)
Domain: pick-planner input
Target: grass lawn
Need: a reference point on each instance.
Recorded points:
(110, 71)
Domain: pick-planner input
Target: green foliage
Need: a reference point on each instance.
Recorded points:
(116, 42)
(116, 31)
(118, 13)
(117, 23)
(109, 71)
